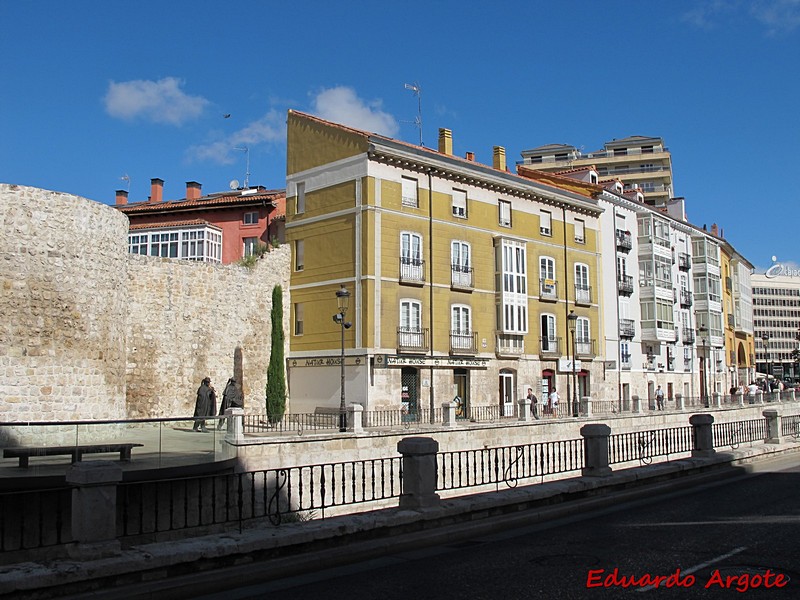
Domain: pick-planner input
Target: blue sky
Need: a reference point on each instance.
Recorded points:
(96, 90)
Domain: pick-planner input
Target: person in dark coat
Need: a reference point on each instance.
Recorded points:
(231, 398)
(205, 405)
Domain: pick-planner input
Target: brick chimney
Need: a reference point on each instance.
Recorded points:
(499, 158)
(156, 190)
(193, 190)
(122, 197)
(445, 141)
(714, 229)
(470, 156)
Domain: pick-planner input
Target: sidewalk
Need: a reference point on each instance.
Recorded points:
(301, 547)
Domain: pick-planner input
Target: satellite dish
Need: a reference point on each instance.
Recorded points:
(234, 184)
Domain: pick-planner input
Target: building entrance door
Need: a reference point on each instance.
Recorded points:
(507, 393)
(461, 378)
(409, 386)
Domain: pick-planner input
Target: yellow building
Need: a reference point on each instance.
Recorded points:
(461, 276)
(737, 308)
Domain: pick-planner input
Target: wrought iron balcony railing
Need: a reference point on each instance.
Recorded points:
(625, 284)
(548, 289)
(412, 270)
(509, 344)
(583, 294)
(627, 328)
(461, 277)
(463, 342)
(624, 240)
(412, 339)
(549, 345)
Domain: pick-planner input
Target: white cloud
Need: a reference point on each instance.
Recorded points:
(778, 16)
(271, 128)
(157, 101)
(342, 105)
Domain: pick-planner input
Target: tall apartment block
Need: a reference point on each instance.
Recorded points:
(776, 319)
(639, 162)
(462, 278)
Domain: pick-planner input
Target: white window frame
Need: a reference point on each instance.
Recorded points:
(409, 195)
(580, 231)
(461, 319)
(513, 307)
(460, 262)
(582, 290)
(547, 274)
(248, 245)
(197, 243)
(546, 223)
(459, 204)
(504, 213)
(548, 324)
(250, 218)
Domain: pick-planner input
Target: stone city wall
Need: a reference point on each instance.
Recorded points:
(185, 321)
(63, 301)
(89, 331)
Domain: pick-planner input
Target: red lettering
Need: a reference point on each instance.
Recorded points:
(743, 583)
(675, 580)
(594, 576)
(612, 580)
(715, 579)
(779, 580)
(659, 579)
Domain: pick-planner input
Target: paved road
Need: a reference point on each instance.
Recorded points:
(738, 529)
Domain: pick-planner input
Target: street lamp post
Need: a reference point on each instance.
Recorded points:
(343, 302)
(572, 320)
(702, 331)
(765, 341)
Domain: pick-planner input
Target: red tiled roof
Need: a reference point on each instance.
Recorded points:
(187, 223)
(218, 200)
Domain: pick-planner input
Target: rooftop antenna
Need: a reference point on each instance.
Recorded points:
(128, 179)
(246, 150)
(414, 87)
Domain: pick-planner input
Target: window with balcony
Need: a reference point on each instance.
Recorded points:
(583, 292)
(547, 278)
(460, 264)
(200, 244)
(462, 338)
(410, 333)
(459, 204)
(410, 196)
(625, 355)
(504, 212)
(583, 338)
(411, 264)
(549, 340)
(545, 223)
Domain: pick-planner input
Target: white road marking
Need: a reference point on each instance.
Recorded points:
(696, 568)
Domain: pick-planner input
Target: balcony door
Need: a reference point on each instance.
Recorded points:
(507, 395)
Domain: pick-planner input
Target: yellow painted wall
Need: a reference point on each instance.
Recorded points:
(310, 143)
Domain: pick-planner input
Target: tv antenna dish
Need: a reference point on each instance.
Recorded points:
(234, 184)
(417, 91)
(246, 150)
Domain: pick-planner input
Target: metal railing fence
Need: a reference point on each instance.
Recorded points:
(739, 432)
(646, 445)
(507, 464)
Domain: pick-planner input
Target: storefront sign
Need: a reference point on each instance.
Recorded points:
(326, 361)
(565, 365)
(445, 362)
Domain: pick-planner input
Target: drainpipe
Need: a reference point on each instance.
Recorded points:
(432, 402)
(566, 298)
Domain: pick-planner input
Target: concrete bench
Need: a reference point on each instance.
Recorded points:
(23, 453)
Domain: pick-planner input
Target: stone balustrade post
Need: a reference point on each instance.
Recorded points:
(760, 397)
(419, 472)
(716, 399)
(791, 395)
(94, 509)
(235, 424)
(355, 418)
(775, 396)
(448, 414)
(680, 402)
(740, 397)
(773, 417)
(586, 406)
(595, 450)
(636, 404)
(703, 435)
(524, 409)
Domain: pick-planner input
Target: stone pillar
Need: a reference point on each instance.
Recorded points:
(637, 404)
(775, 396)
(586, 406)
(355, 418)
(680, 403)
(419, 472)
(760, 397)
(235, 432)
(524, 409)
(448, 414)
(703, 435)
(716, 400)
(791, 395)
(740, 397)
(773, 417)
(94, 509)
(595, 450)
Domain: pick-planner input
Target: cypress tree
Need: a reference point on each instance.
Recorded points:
(276, 377)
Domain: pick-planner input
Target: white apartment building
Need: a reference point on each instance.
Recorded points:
(776, 321)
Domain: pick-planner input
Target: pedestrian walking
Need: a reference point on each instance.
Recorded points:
(231, 398)
(659, 398)
(553, 402)
(534, 403)
(205, 405)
